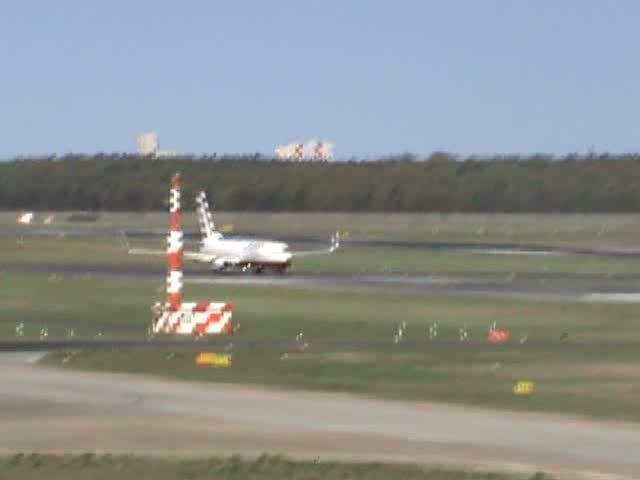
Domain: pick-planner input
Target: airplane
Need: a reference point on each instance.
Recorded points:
(244, 254)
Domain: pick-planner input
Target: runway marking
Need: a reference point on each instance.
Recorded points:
(616, 297)
(508, 251)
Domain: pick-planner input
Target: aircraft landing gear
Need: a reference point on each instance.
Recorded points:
(282, 270)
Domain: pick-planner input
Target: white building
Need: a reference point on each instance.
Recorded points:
(323, 151)
(148, 145)
(313, 150)
(165, 153)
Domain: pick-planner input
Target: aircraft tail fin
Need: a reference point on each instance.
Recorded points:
(205, 219)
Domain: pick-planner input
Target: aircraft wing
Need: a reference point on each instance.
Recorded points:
(145, 251)
(195, 256)
(198, 257)
(335, 243)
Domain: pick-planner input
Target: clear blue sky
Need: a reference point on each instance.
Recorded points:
(374, 77)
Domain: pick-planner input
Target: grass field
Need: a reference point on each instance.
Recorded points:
(68, 467)
(611, 230)
(594, 373)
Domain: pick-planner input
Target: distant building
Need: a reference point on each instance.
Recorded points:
(165, 153)
(322, 152)
(148, 145)
(26, 218)
(286, 152)
(313, 150)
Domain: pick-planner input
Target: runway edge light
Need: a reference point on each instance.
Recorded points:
(175, 316)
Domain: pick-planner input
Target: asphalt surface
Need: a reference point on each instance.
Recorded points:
(527, 287)
(49, 410)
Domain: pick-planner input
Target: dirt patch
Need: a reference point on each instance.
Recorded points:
(409, 357)
(338, 357)
(18, 304)
(620, 370)
(357, 357)
(609, 372)
(619, 390)
(476, 369)
(580, 371)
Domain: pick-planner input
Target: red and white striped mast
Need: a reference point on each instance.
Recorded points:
(177, 316)
(175, 246)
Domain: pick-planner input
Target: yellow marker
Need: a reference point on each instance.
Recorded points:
(483, 231)
(214, 359)
(227, 228)
(524, 388)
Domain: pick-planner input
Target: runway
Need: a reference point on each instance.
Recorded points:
(48, 410)
(505, 248)
(546, 287)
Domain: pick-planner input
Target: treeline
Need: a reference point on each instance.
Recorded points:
(439, 183)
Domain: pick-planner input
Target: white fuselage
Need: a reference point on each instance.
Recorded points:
(226, 252)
